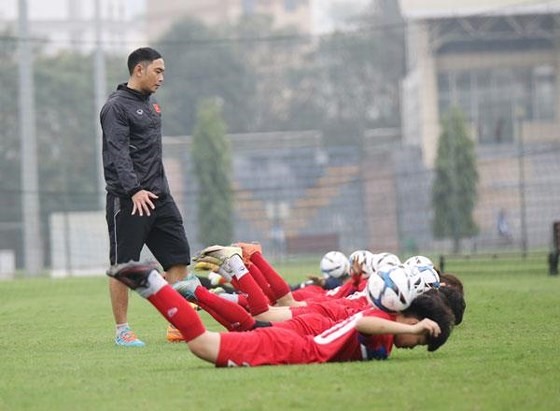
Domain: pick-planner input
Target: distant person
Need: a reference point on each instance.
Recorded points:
(503, 226)
(140, 209)
(278, 240)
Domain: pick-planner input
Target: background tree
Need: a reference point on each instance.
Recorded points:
(212, 166)
(279, 79)
(203, 63)
(355, 75)
(66, 138)
(277, 56)
(10, 186)
(454, 192)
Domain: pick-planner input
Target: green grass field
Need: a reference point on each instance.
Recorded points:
(56, 353)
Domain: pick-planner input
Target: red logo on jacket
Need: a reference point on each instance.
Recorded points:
(157, 108)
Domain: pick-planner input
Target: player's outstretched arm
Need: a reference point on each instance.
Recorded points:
(375, 325)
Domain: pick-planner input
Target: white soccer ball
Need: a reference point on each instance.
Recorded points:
(364, 260)
(419, 260)
(383, 259)
(334, 264)
(424, 278)
(390, 288)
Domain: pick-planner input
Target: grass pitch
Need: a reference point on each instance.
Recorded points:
(56, 353)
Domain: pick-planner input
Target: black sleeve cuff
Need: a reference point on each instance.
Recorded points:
(134, 191)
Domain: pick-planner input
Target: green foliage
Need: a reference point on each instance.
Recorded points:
(199, 65)
(65, 132)
(10, 170)
(211, 157)
(505, 355)
(9, 138)
(454, 193)
(66, 124)
(278, 57)
(358, 74)
(270, 79)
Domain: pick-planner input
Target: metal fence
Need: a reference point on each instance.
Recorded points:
(304, 199)
(301, 188)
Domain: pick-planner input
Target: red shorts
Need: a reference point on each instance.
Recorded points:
(281, 345)
(265, 346)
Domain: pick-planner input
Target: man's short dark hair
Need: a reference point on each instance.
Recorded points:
(143, 54)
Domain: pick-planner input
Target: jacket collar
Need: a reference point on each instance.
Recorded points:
(135, 93)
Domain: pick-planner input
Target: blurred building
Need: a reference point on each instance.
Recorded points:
(497, 60)
(71, 24)
(162, 14)
(288, 187)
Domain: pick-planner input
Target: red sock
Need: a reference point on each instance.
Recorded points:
(258, 303)
(261, 281)
(278, 285)
(178, 312)
(229, 314)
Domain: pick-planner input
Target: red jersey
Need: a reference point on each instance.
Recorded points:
(311, 291)
(280, 345)
(337, 309)
(343, 291)
(307, 324)
(342, 342)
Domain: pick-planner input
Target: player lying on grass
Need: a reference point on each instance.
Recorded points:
(234, 318)
(360, 264)
(334, 265)
(261, 278)
(232, 267)
(277, 290)
(370, 334)
(335, 271)
(363, 265)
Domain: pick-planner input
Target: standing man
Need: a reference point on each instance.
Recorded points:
(140, 209)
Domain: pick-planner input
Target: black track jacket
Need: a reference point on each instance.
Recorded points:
(132, 146)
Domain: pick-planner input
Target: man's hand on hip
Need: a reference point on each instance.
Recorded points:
(142, 202)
